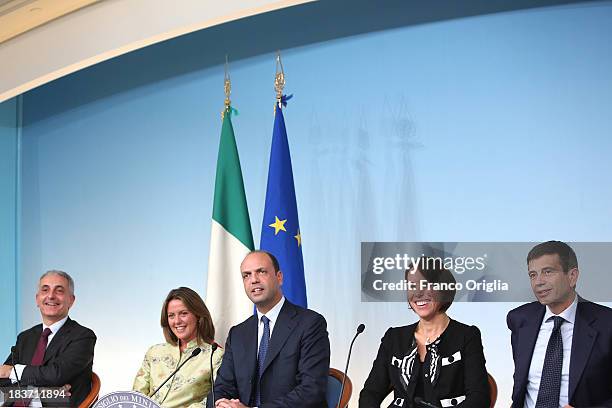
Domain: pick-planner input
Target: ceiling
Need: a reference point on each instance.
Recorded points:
(19, 16)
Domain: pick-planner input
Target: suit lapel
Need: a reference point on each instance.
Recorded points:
(58, 339)
(282, 329)
(582, 343)
(527, 336)
(250, 358)
(30, 343)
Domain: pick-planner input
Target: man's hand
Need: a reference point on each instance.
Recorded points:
(5, 371)
(66, 388)
(225, 403)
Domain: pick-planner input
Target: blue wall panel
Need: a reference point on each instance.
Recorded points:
(8, 223)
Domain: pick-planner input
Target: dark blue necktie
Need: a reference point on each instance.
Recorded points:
(550, 384)
(261, 357)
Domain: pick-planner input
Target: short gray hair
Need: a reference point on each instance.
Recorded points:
(63, 275)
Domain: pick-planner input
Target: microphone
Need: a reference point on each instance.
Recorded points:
(212, 373)
(194, 353)
(360, 330)
(420, 401)
(13, 352)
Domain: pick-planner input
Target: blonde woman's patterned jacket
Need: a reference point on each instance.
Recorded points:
(189, 387)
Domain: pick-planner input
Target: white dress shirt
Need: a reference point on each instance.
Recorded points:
(539, 352)
(272, 315)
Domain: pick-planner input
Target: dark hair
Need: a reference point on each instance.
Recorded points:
(205, 330)
(433, 271)
(566, 254)
(275, 263)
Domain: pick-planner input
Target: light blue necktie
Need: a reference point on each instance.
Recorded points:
(261, 357)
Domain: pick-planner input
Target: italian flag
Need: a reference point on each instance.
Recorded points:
(230, 239)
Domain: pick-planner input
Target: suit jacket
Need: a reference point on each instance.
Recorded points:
(295, 369)
(462, 377)
(590, 376)
(68, 359)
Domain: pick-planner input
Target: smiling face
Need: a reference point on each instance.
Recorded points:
(550, 284)
(262, 284)
(54, 298)
(182, 322)
(424, 301)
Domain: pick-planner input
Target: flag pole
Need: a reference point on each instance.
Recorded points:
(227, 88)
(279, 80)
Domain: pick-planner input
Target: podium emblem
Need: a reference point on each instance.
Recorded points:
(125, 399)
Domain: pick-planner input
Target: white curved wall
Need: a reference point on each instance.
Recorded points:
(108, 29)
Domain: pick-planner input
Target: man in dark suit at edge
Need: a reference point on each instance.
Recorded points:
(562, 344)
(57, 352)
(278, 357)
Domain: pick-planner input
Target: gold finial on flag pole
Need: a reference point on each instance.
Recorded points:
(227, 87)
(279, 80)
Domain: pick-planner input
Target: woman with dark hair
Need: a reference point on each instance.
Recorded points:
(186, 324)
(435, 361)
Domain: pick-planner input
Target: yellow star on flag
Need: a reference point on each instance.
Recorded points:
(278, 225)
(299, 238)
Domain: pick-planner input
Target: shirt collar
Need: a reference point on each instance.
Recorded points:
(272, 313)
(569, 314)
(191, 345)
(56, 326)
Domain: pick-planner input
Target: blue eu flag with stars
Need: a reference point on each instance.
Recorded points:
(280, 232)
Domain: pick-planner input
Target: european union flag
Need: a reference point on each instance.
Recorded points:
(280, 232)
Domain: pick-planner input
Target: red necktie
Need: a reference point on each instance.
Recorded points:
(39, 354)
(37, 360)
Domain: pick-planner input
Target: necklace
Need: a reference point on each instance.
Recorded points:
(437, 333)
